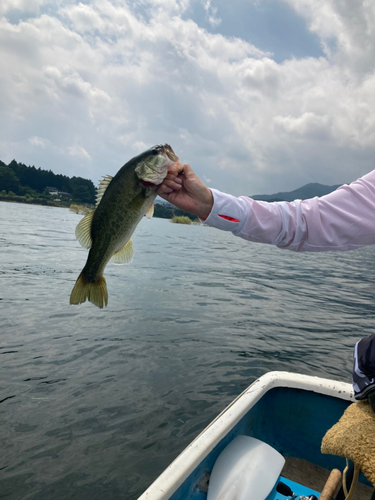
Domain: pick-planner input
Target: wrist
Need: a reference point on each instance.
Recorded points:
(206, 205)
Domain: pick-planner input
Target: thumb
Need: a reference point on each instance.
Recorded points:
(187, 171)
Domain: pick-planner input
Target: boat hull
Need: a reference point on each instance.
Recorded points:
(290, 412)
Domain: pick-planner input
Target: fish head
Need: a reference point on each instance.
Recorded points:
(153, 165)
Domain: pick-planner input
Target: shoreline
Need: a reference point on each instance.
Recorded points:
(83, 209)
(41, 202)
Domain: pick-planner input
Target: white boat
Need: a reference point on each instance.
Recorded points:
(264, 446)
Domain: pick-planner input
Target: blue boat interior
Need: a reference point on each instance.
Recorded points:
(292, 421)
(297, 489)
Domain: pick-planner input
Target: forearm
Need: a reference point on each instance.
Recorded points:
(342, 220)
(252, 220)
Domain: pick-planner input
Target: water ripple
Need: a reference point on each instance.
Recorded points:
(96, 403)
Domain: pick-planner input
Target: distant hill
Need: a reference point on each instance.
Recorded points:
(303, 193)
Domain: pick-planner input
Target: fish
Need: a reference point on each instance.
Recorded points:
(121, 203)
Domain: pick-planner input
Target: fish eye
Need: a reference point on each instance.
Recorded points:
(154, 151)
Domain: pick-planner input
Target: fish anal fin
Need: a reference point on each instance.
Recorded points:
(150, 211)
(125, 254)
(83, 230)
(103, 184)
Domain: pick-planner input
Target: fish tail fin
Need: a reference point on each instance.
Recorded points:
(96, 292)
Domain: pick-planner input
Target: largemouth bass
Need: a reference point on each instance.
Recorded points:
(122, 201)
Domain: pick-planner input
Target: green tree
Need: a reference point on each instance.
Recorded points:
(8, 180)
(82, 189)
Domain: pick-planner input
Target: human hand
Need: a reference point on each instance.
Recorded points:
(183, 188)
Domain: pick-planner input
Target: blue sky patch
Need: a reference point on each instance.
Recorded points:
(270, 25)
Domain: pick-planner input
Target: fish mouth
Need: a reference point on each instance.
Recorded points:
(167, 151)
(170, 153)
(154, 165)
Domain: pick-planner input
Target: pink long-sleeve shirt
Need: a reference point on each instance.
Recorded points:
(341, 220)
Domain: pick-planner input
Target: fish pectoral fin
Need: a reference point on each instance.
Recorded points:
(83, 230)
(124, 255)
(150, 211)
(103, 184)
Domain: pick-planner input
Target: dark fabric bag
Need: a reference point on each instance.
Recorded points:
(364, 367)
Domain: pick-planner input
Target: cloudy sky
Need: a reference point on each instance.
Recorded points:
(257, 95)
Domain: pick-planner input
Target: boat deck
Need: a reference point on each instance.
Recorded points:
(315, 477)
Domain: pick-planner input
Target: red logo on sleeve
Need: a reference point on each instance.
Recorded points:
(226, 217)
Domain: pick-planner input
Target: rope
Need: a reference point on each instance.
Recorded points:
(348, 495)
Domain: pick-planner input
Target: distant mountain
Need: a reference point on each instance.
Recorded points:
(303, 193)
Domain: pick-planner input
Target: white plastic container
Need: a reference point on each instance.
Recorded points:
(246, 469)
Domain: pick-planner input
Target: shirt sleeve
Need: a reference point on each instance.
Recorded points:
(341, 220)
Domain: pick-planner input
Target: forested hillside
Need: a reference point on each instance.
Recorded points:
(19, 179)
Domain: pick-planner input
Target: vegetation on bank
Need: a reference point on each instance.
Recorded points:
(182, 219)
(80, 209)
(168, 211)
(30, 184)
(32, 200)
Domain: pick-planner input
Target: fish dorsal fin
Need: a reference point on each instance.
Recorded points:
(83, 230)
(125, 254)
(150, 211)
(103, 184)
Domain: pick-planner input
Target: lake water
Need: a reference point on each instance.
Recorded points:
(96, 403)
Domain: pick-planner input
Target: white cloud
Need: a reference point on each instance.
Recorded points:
(79, 151)
(102, 80)
(346, 28)
(308, 125)
(84, 17)
(211, 14)
(39, 141)
(169, 6)
(139, 146)
(30, 6)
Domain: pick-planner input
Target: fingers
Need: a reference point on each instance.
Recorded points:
(174, 179)
(171, 183)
